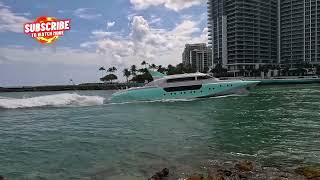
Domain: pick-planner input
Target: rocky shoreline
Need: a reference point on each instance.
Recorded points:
(244, 170)
(238, 170)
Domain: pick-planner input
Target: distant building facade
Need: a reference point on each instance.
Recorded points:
(243, 34)
(299, 32)
(217, 28)
(196, 56)
(248, 34)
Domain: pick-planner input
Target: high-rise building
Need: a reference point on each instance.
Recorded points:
(196, 56)
(299, 32)
(243, 33)
(217, 28)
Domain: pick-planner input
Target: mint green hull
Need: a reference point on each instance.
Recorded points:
(158, 93)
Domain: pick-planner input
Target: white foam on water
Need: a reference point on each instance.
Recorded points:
(56, 100)
(175, 100)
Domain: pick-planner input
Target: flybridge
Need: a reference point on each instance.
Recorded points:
(47, 26)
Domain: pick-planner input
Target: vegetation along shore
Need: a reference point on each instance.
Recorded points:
(136, 77)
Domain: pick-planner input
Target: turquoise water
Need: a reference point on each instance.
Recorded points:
(62, 135)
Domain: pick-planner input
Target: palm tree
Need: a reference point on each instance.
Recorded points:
(142, 70)
(112, 69)
(71, 80)
(153, 66)
(286, 70)
(133, 70)
(102, 69)
(161, 69)
(144, 63)
(127, 74)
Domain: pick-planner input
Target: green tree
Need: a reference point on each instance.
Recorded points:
(171, 70)
(218, 70)
(285, 70)
(188, 69)
(318, 70)
(179, 69)
(133, 70)
(142, 70)
(112, 69)
(102, 69)
(144, 63)
(127, 74)
(109, 77)
(161, 69)
(206, 69)
(141, 78)
(153, 66)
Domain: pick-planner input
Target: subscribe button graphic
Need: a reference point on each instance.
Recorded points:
(47, 30)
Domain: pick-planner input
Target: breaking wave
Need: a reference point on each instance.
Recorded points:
(56, 100)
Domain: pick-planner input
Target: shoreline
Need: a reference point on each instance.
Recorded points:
(242, 170)
(82, 87)
(116, 86)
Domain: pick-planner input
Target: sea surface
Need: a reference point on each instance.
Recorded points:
(81, 135)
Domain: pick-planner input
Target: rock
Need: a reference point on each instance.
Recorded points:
(309, 172)
(196, 177)
(165, 172)
(224, 172)
(160, 175)
(242, 176)
(279, 178)
(217, 177)
(244, 166)
(1, 178)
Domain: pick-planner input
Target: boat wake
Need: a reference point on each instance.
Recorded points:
(175, 100)
(56, 100)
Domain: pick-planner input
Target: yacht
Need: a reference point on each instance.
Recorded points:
(182, 86)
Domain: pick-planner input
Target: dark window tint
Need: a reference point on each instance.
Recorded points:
(203, 77)
(181, 79)
(182, 88)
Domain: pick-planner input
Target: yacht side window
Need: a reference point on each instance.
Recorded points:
(180, 79)
(203, 77)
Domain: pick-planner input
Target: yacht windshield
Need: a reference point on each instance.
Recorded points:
(180, 79)
(204, 77)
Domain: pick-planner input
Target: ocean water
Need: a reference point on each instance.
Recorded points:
(81, 135)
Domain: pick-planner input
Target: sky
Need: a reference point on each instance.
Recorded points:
(107, 33)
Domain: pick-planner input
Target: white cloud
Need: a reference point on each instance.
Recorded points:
(154, 20)
(144, 42)
(62, 58)
(86, 13)
(98, 34)
(10, 21)
(110, 24)
(175, 5)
